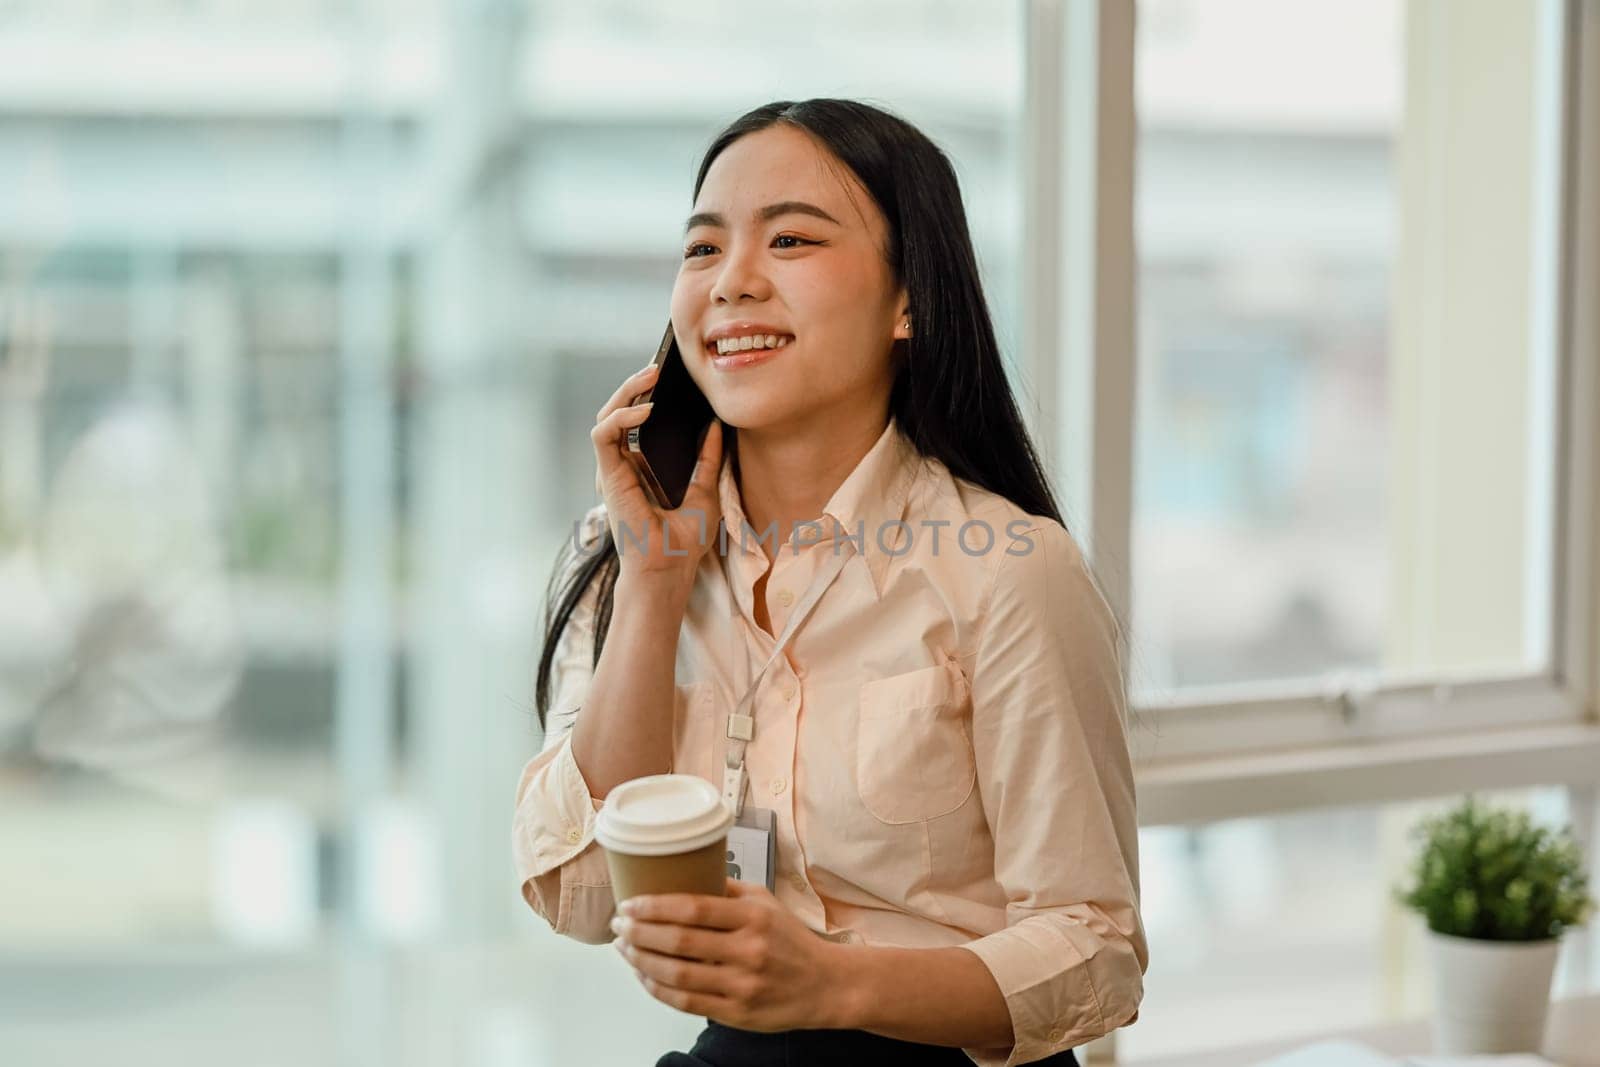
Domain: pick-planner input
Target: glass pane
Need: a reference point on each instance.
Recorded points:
(305, 310)
(1342, 443)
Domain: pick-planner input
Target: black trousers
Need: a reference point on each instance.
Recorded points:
(727, 1046)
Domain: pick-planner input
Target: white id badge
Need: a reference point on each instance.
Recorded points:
(750, 851)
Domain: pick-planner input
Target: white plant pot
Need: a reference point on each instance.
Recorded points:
(1490, 996)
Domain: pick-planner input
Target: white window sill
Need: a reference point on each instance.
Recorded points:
(1205, 789)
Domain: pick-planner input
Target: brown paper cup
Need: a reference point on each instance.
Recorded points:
(665, 833)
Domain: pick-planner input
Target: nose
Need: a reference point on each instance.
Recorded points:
(741, 277)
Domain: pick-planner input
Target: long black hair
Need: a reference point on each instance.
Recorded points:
(950, 397)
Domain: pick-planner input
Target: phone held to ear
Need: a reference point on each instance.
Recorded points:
(664, 449)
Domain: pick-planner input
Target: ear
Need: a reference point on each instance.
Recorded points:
(902, 320)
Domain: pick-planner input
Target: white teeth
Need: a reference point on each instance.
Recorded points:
(749, 341)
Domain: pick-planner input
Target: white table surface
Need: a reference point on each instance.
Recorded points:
(1572, 1039)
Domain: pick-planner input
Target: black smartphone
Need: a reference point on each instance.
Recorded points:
(665, 447)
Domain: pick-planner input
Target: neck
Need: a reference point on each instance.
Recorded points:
(787, 476)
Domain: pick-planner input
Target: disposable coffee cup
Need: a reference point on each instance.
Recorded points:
(665, 833)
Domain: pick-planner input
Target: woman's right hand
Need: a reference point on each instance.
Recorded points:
(690, 528)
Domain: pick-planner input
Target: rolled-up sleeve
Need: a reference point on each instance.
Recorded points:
(561, 868)
(1056, 783)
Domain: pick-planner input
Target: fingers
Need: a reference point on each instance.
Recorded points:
(701, 974)
(659, 978)
(606, 442)
(687, 909)
(608, 436)
(686, 976)
(682, 942)
(631, 386)
(612, 428)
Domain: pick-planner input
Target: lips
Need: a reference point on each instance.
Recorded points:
(744, 343)
(740, 359)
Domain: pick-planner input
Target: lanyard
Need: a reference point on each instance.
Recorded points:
(741, 724)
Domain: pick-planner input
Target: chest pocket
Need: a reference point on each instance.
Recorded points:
(914, 756)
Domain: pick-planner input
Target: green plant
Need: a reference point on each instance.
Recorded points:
(1491, 874)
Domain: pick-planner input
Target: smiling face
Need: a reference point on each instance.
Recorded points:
(785, 245)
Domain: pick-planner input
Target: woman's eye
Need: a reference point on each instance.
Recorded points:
(700, 249)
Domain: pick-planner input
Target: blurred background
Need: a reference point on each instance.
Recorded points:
(305, 309)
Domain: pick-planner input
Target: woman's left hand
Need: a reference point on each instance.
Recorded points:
(743, 960)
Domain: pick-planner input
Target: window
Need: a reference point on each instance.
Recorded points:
(1346, 392)
(305, 308)
(1355, 317)
(327, 294)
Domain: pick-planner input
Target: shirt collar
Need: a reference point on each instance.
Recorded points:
(869, 502)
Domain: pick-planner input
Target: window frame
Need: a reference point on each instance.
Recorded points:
(1238, 750)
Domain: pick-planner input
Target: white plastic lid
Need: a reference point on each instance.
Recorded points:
(662, 814)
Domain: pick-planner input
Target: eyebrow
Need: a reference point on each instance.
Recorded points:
(771, 211)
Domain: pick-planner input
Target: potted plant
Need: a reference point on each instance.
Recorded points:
(1497, 893)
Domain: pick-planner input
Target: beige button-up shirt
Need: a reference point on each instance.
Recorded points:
(943, 742)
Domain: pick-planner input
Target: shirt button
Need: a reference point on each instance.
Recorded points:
(778, 785)
(785, 597)
(798, 881)
(788, 692)
(1056, 1035)
(573, 834)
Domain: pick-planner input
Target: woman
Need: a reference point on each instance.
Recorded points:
(943, 739)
